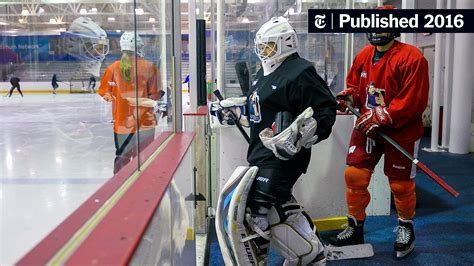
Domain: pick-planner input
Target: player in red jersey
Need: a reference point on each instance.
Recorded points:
(388, 82)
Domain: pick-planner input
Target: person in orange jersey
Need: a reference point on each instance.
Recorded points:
(389, 83)
(118, 85)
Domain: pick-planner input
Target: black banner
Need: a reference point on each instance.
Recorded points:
(394, 20)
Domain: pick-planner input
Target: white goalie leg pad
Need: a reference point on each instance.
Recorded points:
(295, 237)
(301, 133)
(231, 232)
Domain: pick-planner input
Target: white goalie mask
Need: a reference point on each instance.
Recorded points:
(87, 41)
(127, 43)
(274, 41)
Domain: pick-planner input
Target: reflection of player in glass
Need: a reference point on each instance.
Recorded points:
(87, 42)
(118, 86)
(388, 81)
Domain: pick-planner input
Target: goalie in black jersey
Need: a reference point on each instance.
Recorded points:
(261, 193)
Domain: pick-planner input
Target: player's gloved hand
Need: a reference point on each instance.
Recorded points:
(374, 119)
(223, 113)
(301, 133)
(344, 98)
(107, 97)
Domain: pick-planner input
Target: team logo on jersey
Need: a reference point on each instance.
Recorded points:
(274, 87)
(255, 115)
(352, 149)
(375, 96)
(254, 82)
(363, 74)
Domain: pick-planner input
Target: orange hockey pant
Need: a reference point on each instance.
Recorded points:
(358, 197)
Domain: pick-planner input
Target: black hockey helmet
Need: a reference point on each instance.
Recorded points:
(381, 40)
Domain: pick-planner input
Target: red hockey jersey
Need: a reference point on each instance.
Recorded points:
(399, 81)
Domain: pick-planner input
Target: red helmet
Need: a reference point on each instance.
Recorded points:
(378, 40)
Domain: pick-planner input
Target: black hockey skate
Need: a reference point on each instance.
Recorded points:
(352, 235)
(405, 241)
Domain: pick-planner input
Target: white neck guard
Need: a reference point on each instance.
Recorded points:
(270, 65)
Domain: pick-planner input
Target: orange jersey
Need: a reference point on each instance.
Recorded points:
(399, 81)
(124, 111)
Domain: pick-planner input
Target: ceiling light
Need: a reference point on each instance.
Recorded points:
(21, 20)
(25, 12)
(83, 11)
(139, 11)
(111, 19)
(245, 20)
(3, 23)
(94, 10)
(118, 31)
(52, 21)
(151, 20)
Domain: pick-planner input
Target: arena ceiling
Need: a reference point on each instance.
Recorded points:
(53, 16)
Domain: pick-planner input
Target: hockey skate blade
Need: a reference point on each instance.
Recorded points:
(403, 254)
(349, 252)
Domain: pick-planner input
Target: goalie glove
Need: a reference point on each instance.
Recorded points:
(371, 121)
(222, 113)
(301, 133)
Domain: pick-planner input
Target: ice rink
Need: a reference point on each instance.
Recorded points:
(55, 151)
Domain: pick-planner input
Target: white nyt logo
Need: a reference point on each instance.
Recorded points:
(319, 21)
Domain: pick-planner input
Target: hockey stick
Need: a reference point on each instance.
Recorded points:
(420, 165)
(233, 117)
(243, 76)
(349, 252)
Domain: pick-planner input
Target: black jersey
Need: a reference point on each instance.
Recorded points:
(292, 87)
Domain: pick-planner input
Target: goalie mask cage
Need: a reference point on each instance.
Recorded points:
(80, 86)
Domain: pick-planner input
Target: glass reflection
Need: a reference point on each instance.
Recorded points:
(132, 84)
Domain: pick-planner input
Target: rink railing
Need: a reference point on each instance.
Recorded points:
(137, 217)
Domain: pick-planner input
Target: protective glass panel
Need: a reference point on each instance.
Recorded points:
(155, 248)
(360, 39)
(151, 49)
(75, 107)
(326, 51)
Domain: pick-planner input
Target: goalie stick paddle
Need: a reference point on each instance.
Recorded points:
(243, 76)
(239, 126)
(349, 252)
(420, 165)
